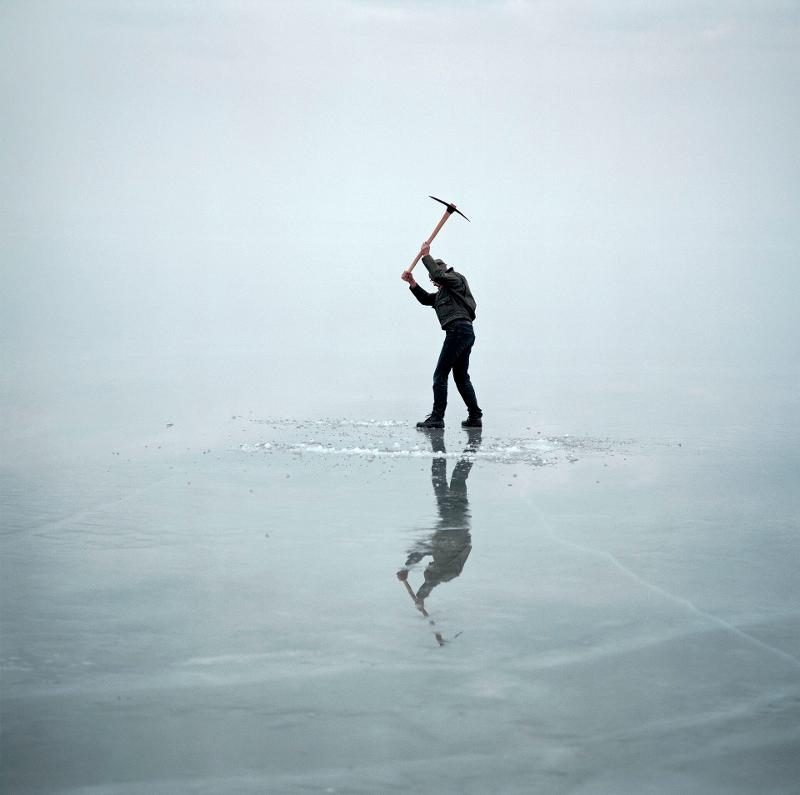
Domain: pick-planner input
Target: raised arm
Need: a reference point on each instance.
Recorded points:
(423, 296)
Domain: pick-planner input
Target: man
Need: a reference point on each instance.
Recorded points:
(455, 309)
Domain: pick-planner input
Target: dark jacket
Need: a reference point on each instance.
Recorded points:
(454, 300)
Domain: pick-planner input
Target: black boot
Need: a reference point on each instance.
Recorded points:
(431, 421)
(472, 422)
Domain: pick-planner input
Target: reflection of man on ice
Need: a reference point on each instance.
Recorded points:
(450, 543)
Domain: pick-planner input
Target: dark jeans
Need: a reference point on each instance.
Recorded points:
(458, 342)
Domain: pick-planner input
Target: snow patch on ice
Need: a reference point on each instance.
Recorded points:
(397, 439)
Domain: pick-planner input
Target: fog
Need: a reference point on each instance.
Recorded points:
(184, 180)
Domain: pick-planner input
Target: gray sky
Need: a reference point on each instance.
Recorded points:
(256, 175)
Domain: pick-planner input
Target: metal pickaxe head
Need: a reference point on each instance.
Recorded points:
(451, 208)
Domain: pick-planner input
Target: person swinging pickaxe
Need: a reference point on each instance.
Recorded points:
(455, 310)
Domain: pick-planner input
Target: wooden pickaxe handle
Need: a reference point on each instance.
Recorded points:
(447, 213)
(419, 606)
(402, 575)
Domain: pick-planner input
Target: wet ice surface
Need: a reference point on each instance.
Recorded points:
(598, 615)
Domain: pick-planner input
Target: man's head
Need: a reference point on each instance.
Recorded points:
(443, 265)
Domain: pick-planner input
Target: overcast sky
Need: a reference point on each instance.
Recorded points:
(255, 174)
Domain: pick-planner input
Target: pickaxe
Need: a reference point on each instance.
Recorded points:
(451, 208)
(402, 575)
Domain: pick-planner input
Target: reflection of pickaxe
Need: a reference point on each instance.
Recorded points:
(451, 208)
(402, 575)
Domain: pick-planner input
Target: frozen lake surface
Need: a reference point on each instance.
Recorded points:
(232, 606)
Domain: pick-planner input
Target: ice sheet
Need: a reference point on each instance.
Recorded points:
(600, 614)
